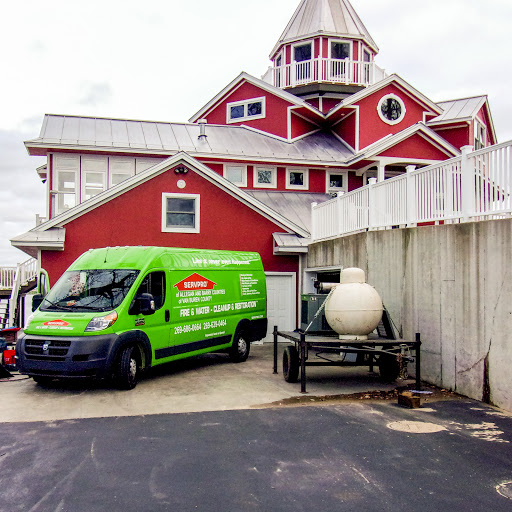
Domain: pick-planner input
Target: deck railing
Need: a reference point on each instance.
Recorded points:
(474, 186)
(338, 71)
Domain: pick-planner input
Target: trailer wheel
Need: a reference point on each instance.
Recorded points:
(290, 364)
(240, 348)
(128, 368)
(388, 367)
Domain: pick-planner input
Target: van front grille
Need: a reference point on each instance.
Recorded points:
(44, 350)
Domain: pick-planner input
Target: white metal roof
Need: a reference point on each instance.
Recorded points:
(460, 109)
(295, 206)
(333, 17)
(235, 142)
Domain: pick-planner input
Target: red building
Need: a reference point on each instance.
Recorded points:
(242, 174)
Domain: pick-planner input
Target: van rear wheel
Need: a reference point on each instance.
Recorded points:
(239, 351)
(128, 368)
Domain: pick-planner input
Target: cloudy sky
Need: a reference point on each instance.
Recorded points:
(161, 60)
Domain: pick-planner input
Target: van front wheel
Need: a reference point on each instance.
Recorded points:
(239, 351)
(128, 368)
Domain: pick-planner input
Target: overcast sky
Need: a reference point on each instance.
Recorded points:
(161, 60)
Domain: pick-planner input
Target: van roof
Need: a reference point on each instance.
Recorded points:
(141, 258)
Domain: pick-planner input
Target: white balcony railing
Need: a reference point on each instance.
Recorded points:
(337, 71)
(474, 186)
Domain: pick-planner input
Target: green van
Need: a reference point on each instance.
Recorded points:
(120, 310)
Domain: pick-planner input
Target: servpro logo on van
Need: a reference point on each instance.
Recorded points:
(56, 324)
(195, 282)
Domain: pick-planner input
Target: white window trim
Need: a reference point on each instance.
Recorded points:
(273, 184)
(330, 189)
(57, 192)
(297, 187)
(245, 103)
(197, 204)
(304, 43)
(84, 183)
(243, 183)
(402, 104)
(334, 40)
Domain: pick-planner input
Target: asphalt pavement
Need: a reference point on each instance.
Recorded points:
(357, 454)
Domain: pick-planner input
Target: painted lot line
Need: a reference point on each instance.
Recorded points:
(330, 458)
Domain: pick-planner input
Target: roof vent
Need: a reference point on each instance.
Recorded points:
(202, 129)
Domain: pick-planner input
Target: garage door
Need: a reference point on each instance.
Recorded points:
(281, 303)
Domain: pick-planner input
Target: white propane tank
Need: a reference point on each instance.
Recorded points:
(354, 308)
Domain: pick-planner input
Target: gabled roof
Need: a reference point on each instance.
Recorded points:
(392, 140)
(75, 133)
(396, 80)
(463, 110)
(245, 77)
(50, 234)
(327, 17)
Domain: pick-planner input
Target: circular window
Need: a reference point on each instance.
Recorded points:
(391, 109)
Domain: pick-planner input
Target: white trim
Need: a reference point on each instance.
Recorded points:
(298, 43)
(245, 104)
(197, 213)
(328, 188)
(280, 93)
(273, 170)
(179, 158)
(403, 110)
(305, 173)
(342, 41)
(243, 167)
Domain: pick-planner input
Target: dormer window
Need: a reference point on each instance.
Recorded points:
(391, 109)
(245, 110)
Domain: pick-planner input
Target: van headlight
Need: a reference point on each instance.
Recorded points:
(100, 323)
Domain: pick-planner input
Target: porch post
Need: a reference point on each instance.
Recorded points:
(410, 197)
(467, 184)
(381, 172)
(372, 203)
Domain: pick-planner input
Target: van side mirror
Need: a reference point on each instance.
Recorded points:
(143, 304)
(37, 299)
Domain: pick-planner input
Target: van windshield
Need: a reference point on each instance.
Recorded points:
(89, 290)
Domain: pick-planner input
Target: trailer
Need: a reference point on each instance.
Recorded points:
(389, 354)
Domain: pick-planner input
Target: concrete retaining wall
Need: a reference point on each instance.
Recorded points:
(452, 284)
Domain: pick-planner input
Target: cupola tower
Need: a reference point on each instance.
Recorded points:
(325, 48)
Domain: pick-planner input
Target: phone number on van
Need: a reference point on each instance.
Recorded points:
(183, 329)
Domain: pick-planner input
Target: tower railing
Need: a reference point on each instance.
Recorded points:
(336, 71)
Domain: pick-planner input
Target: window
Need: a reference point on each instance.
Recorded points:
(66, 190)
(265, 177)
(302, 56)
(180, 213)
(236, 174)
(297, 179)
(302, 52)
(337, 182)
(340, 50)
(480, 135)
(391, 109)
(94, 183)
(154, 283)
(120, 169)
(245, 110)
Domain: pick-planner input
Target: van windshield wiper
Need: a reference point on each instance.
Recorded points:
(64, 308)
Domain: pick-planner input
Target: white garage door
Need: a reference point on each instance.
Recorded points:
(281, 303)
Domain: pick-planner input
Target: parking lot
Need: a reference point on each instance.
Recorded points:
(210, 435)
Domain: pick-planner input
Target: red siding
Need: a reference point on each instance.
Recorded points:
(134, 218)
(415, 147)
(457, 136)
(275, 121)
(346, 129)
(373, 128)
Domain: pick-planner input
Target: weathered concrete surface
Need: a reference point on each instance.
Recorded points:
(452, 284)
(206, 383)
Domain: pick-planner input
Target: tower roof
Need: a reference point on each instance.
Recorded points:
(330, 17)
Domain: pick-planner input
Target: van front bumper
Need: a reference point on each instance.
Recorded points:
(61, 357)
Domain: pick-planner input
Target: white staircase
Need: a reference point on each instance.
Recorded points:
(14, 282)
